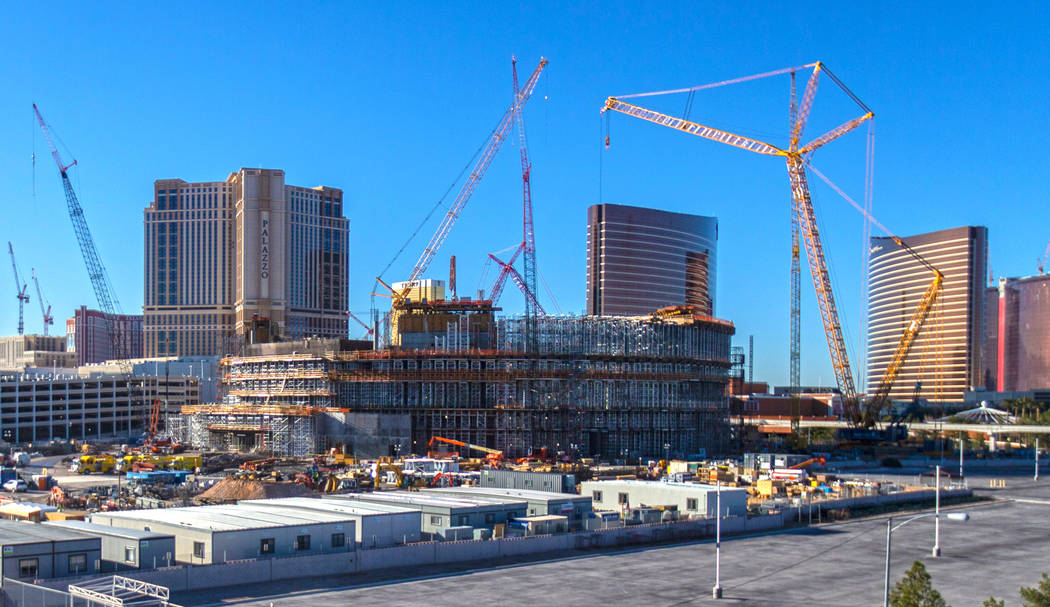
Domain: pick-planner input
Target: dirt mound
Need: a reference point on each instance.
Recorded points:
(233, 489)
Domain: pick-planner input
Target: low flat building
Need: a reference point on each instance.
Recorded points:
(575, 508)
(29, 551)
(690, 499)
(216, 534)
(376, 525)
(124, 549)
(442, 512)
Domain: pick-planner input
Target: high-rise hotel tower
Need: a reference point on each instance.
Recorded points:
(640, 260)
(221, 256)
(946, 358)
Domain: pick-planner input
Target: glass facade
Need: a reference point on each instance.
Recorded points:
(946, 358)
(640, 260)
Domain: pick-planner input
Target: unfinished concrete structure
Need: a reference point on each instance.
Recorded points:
(640, 386)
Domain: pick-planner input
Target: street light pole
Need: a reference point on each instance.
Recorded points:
(961, 517)
(937, 517)
(886, 577)
(716, 592)
(962, 450)
(1037, 458)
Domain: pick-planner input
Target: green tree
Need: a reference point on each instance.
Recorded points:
(991, 602)
(1038, 596)
(915, 589)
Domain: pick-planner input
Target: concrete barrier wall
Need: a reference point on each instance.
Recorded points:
(408, 555)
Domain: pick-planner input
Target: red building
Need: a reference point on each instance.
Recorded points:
(1017, 345)
(88, 334)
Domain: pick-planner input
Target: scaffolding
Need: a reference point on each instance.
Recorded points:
(591, 385)
(284, 430)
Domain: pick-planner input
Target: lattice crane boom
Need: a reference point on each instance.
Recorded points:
(528, 232)
(20, 291)
(45, 308)
(476, 173)
(100, 283)
(504, 273)
(507, 271)
(796, 158)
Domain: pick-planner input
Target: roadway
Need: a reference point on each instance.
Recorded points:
(931, 426)
(1001, 548)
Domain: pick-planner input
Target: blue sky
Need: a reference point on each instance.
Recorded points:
(389, 101)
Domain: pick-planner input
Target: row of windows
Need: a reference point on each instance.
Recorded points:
(29, 568)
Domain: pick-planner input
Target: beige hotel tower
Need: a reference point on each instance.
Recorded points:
(222, 256)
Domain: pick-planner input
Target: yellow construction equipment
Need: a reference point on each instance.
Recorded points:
(87, 464)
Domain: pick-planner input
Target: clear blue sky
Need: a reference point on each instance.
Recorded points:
(388, 101)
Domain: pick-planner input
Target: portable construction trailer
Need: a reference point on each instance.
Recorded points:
(442, 512)
(376, 524)
(689, 499)
(30, 551)
(216, 534)
(124, 549)
(575, 508)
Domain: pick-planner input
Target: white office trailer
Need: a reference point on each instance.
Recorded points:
(445, 516)
(124, 549)
(376, 525)
(691, 500)
(557, 482)
(216, 534)
(30, 551)
(575, 508)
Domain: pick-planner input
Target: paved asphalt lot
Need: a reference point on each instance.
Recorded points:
(1002, 547)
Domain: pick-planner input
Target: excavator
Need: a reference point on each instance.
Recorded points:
(493, 456)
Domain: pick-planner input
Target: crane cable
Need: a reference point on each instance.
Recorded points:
(437, 205)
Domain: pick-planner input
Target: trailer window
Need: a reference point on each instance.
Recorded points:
(690, 503)
(597, 496)
(338, 540)
(198, 549)
(129, 554)
(77, 563)
(623, 498)
(302, 542)
(266, 546)
(28, 567)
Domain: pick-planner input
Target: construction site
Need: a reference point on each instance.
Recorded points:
(593, 386)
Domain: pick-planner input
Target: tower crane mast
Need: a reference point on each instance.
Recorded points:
(100, 283)
(49, 319)
(20, 290)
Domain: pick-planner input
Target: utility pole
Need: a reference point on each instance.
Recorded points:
(937, 517)
(716, 592)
